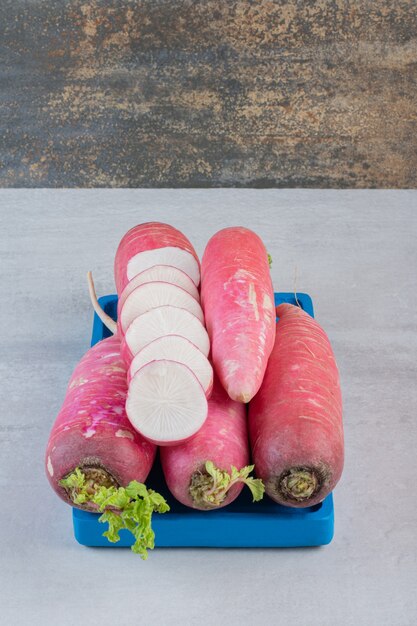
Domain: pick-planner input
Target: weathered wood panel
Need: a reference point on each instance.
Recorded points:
(214, 93)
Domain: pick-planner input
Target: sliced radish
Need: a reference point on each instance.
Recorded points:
(177, 257)
(166, 403)
(165, 273)
(164, 320)
(151, 295)
(154, 243)
(175, 348)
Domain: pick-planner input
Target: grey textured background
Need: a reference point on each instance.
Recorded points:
(177, 93)
(356, 254)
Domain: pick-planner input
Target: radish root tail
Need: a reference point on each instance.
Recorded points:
(295, 287)
(106, 319)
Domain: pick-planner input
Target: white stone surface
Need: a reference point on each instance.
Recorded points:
(356, 254)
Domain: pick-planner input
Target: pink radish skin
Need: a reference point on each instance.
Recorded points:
(152, 295)
(165, 273)
(238, 303)
(166, 403)
(175, 347)
(222, 439)
(145, 238)
(295, 421)
(164, 320)
(92, 431)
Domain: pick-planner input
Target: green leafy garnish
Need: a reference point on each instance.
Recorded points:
(128, 507)
(209, 488)
(269, 260)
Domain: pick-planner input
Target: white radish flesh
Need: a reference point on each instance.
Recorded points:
(164, 320)
(177, 257)
(176, 348)
(166, 403)
(165, 273)
(152, 295)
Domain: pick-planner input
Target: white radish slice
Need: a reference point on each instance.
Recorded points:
(164, 256)
(164, 320)
(165, 273)
(151, 295)
(165, 403)
(176, 348)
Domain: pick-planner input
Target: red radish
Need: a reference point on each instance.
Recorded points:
(154, 243)
(164, 273)
(223, 443)
(238, 304)
(165, 402)
(295, 421)
(152, 295)
(175, 348)
(164, 320)
(92, 431)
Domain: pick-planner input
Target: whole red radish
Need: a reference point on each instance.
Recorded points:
(295, 421)
(210, 470)
(150, 244)
(238, 303)
(92, 431)
(95, 460)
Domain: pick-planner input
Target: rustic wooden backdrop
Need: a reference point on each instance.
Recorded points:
(208, 93)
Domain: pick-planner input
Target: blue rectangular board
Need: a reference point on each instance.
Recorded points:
(242, 524)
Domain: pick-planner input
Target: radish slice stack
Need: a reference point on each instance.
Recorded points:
(150, 244)
(152, 295)
(166, 403)
(169, 346)
(164, 320)
(164, 341)
(165, 273)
